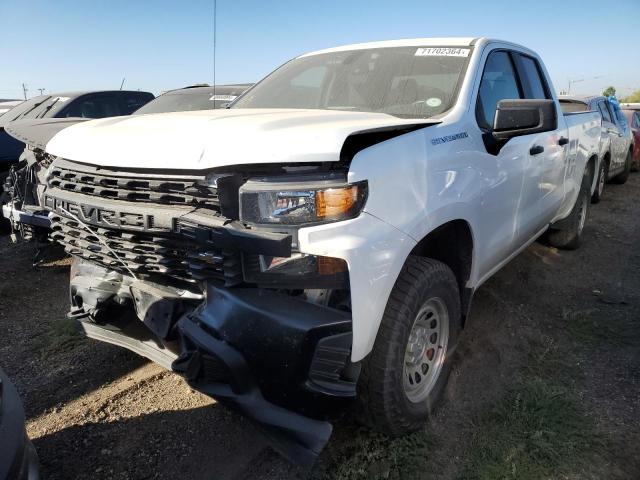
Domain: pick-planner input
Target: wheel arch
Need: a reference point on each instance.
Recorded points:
(452, 243)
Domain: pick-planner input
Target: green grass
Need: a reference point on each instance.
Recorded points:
(536, 430)
(363, 454)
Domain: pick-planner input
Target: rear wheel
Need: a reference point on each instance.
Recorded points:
(602, 179)
(624, 176)
(407, 370)
(569, 232)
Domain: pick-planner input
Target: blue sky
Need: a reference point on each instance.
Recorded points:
(158, 45)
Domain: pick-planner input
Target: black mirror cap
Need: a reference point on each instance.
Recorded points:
(524, 117)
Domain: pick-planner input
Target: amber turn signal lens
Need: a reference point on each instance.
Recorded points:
(335, 202)
(330, 265)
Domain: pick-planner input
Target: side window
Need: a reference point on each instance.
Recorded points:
(94, 106)
(533, 83)
(498, 83)
(604, 111)
(637, 120)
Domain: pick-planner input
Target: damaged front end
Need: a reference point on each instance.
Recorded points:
(23, 188)
(25, 182)
(166, 266)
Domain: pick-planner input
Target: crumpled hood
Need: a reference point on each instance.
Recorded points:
(38, 132)
(216, 138)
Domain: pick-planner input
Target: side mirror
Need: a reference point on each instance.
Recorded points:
(523, 117)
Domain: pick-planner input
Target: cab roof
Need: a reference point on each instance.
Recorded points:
(409, 42)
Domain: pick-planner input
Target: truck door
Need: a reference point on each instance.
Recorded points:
(511, 197)
(549, 165)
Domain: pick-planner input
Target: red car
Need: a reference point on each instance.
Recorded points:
(632, 113)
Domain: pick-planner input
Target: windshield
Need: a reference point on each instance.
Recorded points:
(26, 106)
(407, 82)
(192, 99)
(39, 107)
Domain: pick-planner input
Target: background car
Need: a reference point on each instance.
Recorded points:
(97, 104)
(18, 459)
(631, 112)
(615, 151)
(194, 98)
(45, 108)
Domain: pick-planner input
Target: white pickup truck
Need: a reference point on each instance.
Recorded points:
(324, 236)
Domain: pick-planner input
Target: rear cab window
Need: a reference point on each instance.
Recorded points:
(508, 75)
(571, 106)
(533, 82)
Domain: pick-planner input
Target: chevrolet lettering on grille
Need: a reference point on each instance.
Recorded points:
(101, 217)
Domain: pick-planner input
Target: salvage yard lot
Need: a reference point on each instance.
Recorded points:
(547, 383)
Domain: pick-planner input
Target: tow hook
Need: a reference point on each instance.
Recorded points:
(77, 314)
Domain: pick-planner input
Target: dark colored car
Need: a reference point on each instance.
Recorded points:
(18, 459)
(59, 106)
(632, 114)
(97, 104)
(194, 98)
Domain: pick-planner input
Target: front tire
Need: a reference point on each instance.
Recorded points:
(405, 374)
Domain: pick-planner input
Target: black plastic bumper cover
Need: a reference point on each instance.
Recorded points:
(252, 351)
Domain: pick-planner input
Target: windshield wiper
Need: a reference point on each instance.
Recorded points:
(31, 109)
(46, 110)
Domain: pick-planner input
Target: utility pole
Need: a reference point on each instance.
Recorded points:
(41, 90)
(215, 5)
(24, 90)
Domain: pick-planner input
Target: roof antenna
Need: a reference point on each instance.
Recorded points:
(122, 84)
(214, 52)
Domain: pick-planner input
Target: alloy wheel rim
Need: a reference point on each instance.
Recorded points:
(426, 350)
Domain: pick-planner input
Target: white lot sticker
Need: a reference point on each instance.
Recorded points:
(62, 99)
(434, 102)
(442, 52)
(224, 98)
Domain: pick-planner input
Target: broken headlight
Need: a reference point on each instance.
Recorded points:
(297, 202)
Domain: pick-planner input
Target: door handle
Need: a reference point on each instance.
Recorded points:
(536, 149)
(563, 141)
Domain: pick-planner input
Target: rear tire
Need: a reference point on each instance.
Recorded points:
(405, 374)
(602, 179)
(569, 234)
(624, 176)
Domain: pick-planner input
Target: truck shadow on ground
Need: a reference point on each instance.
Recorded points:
(200, 443)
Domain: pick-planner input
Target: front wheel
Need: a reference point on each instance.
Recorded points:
(407, 370)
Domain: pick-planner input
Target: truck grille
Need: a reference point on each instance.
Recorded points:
(130, 186)
(147, 254)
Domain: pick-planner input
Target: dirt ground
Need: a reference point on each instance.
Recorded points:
(547, 380)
